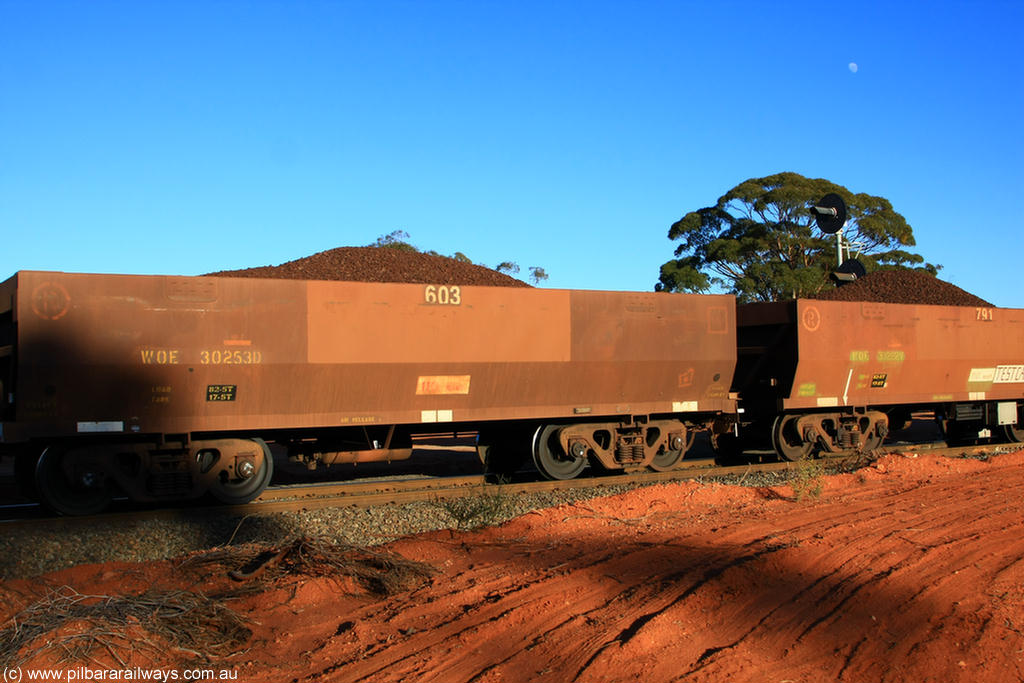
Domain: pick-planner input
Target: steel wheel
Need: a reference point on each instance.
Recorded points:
(239, 491)
(1014, 433)
(550, 459)
(69, 485)
(666, 460)
(787, 441)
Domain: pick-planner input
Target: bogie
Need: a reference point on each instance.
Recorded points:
(82, 479)
(563, 451)
(797, 436)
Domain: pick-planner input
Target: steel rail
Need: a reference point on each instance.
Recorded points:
(365, 494)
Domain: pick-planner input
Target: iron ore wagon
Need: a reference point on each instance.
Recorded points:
(164, 388)
(839, 375)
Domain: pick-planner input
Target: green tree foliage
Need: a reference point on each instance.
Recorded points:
(395, 240)
(759, 241)
(538, 274)
(509, 267)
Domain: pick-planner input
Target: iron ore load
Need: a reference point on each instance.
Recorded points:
(166, 388)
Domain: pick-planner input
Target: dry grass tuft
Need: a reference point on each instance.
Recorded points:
(378, 573)
(75, 627)
(474, 511)
(78, 627)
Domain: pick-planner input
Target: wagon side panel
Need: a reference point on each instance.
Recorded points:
(166, 355)
(860, 353)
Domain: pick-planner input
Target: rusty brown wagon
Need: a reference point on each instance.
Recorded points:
(835, 375)
(166, 388)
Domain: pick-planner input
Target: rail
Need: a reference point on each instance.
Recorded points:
(303, 497)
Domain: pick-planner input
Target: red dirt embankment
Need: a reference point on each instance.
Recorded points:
(910, 570)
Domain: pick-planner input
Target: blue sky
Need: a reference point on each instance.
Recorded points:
(187, 137)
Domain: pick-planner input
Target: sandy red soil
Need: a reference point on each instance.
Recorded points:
(909, 570)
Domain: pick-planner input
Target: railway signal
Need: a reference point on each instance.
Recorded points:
(830, 216)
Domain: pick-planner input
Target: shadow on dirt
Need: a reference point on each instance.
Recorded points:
(891, 589)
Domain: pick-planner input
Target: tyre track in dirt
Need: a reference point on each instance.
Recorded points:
(870, 575)
(877, 581)
(909, 570)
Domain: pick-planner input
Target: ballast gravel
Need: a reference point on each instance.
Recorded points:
(27, 552)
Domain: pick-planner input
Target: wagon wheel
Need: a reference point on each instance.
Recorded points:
(787, 441)
(550, 459)
(242, 490)
(1014, 433)
(668, 458)
(71, 486)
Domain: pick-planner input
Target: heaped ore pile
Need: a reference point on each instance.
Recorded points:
(903, 287)
(380, 264)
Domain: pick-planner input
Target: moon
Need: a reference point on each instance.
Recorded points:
(852, 66)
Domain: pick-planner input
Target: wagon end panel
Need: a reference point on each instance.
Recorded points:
(8, 349)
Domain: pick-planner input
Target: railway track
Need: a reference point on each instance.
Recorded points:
(376, 492)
